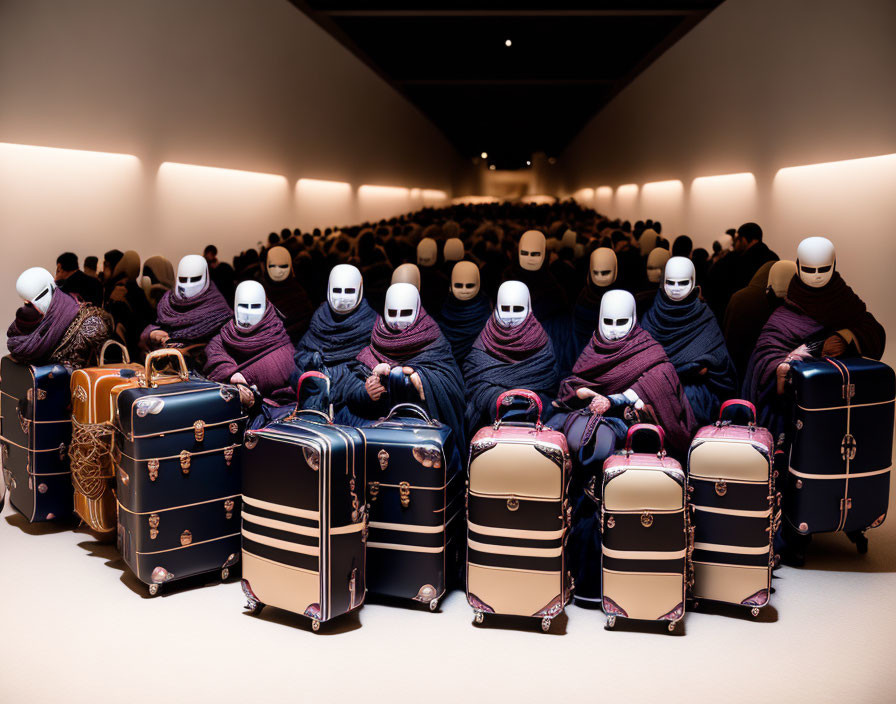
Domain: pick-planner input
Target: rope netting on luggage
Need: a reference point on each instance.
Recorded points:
(90, 453)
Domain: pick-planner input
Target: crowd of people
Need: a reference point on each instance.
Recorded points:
(469, 301)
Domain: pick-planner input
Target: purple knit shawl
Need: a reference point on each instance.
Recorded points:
(397, 346)
(512, 344)
(40, 343)
(192, 319)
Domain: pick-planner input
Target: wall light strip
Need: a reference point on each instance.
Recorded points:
(315, 185)
(434, 194)
(860, 162)
(173, 167)
(604, 192)
(61, 152)
(383, 191)
(742, 176)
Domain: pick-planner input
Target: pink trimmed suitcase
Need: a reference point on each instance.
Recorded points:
(518, 517)
(731, 487)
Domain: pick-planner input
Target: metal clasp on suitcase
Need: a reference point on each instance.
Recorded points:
(513, 504)
(185, 461)
(721, 487)
(228, 509)
(373, 490)
(199, 430)
(646, 519)
(404, 491)
(848, 447)
(153, 467)
(153, 526)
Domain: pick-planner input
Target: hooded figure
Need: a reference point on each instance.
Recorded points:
(53, 326)
(654, 267)
(433, 282)
(340, 328)
(253, 350)
(602, 277)
(512, 351)
(406, 336)
(158, 279)
(686, 328)
(821, 316)
(188, 316)
(127, 302)
(464, 311)
(286, 293)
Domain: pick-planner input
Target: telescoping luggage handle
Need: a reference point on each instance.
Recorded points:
(125, 356)
(313, 411)
(648, 427)
(738, 403)
(184, 373)
(409, 409)
(506, 399)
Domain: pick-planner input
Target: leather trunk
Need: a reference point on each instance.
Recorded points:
(733, 502)
(517, 518)
(838, 477)
(644, 535)
(304, 517)
(35, 431)
(177, 458)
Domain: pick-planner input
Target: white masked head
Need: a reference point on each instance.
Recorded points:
(427, 252)
(780, 275)
(36, 286)
(656, 264)
(465, 282)
(603, 267)
(454, 249)
(513, 304)
(680, 278)
(815, 260)
(617, 315)
(531, 252)
(192, 276)
(249, 304)
(407, 274)
(279, 263)
(402, 306)
(345, 288)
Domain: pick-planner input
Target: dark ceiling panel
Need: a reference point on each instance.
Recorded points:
(565, 62)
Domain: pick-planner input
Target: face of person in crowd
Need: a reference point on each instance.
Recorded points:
(344, 288)
(249, 304)
(815, 260)
(603, 267)
(402, 306)
(407, 274)
(680, 278)
(617, 315)
(427, 252)
(36, 286)
(513, 304)
(192, 276)
(656, 264)
(279, 264)
(107, 270)
(465, 282)
(532, 249)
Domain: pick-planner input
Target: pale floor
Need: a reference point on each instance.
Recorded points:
(75, 626)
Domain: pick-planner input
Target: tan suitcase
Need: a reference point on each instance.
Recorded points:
(93, 474)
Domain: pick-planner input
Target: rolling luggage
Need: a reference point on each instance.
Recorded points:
(731, 488)
(838, 476)
(177, 457)
(517, 517)
(90, 451)
(415, 495)
(35, 432)
(304, 518)
(645, 537)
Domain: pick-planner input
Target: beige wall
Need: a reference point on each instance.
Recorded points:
(247, 85)
(759, 86)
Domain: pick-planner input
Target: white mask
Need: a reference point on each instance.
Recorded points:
(192, 276)
(406, 274)
(815, 261)
(454, 250)
(249, 304)
(36, 286)
(513, 304)
(531, 252)
(656, 263)
(680, 278)
(402, 306)
(465, 281)
(279, 263)
(617, 315)
(603, 267)
(345, 288)
(427, 252)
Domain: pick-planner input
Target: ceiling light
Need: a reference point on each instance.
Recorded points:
(507, 42)
(484, 155)
(528, 163)
(491, 167)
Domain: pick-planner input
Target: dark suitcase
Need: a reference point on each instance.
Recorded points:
(415, 494)
(645, 536)
(731, 488)
(177, 458)
(35, 431)
(304, 518)
(838, 477)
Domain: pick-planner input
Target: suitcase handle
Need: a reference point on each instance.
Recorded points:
(409, 409)
(298, 409)
(738, 402)
(184, 373)
(638, 427)
(125, 356)
(531, 396)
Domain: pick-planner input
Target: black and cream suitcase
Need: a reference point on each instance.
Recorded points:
(176, 452)
(304, 517)
(731, 488)
(645, 536)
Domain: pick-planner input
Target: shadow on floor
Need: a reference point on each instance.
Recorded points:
(17, 520)
(834, 552)
(522, 623)
(337, 626)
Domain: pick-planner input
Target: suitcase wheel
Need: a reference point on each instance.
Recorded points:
(153, 589)
(546, 624)
(611, 621)
(478, 617)
(434, 604)
(755, 611)
(858, 537)
(672, 626)
(225, 573)
(315, 625)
